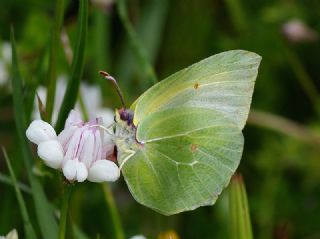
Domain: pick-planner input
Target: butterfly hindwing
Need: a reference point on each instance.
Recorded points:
(188, 156)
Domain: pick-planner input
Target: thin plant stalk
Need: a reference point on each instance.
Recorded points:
(237, 15)
(64, 211)
(117, 226)
(7, 180)
(284, 126)
(303, 78)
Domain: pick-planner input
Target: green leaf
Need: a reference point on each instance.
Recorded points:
(54, 45)
(48, 225)
(71, 94)
(223, 82)
(239, 210)
(29, 231)
(187, 157)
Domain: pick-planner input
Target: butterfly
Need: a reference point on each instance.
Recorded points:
(181, 141)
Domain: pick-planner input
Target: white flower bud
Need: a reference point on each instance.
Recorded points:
(40, 131)
(70, 169)
(82, 172)
(103, 170)
(75, 170)
(138, 237)
(51, 152)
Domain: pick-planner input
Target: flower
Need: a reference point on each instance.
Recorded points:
(81, 150)
(11, 235)
(297, 31)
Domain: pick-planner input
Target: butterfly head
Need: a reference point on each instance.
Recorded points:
(124, 115)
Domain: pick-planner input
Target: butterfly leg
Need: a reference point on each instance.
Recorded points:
(108, 129)
(131, 153)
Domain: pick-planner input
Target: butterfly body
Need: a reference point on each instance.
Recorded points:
(125, 135)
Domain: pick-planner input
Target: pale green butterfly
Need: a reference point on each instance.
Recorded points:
(181, 140)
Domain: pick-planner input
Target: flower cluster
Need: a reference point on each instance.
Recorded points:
(82, 150)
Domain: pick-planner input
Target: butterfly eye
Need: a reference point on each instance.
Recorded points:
(124, 115)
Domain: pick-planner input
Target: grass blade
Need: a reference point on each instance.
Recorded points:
(135, 42)
(71, 94)
(150, 30)
(101, 35)
(48, 225)
(78, 233)
(238, 209)
(7, 180)
(115, 217)
(54, 45)
(29, 231)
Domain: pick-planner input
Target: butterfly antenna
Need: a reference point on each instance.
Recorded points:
(115, 83)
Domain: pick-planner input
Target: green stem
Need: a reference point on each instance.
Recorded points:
(304, 78)
(64, 211)
(113, 211)
(83, 108)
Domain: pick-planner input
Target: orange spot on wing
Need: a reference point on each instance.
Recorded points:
(193, 148)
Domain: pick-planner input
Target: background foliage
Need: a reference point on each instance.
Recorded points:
(138, 41)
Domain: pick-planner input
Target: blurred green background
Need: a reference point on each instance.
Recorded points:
(281, 160)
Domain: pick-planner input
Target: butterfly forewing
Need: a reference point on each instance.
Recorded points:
(223, 82)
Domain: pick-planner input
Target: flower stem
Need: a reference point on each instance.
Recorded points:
(117, 226)
(64, 211)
